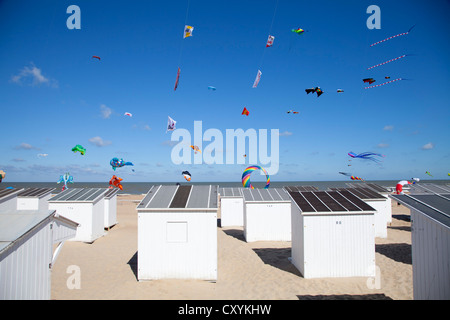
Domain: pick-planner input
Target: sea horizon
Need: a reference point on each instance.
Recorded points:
(143, 187)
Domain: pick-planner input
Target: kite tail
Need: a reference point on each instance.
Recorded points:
(383, 63)
(128, 164)
(411, 28)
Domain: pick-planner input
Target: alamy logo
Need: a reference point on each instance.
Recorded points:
(223, 151)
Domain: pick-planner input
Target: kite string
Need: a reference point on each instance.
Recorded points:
(185, 22)
(270, 31)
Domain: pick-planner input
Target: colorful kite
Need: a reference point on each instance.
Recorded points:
(383, 63)
(400, 184)
(369, 80)
(188, 31)
(366, 156)
(246, 177)
(340, 90)
(80, 149)
(2, 175)
(115, 181)
(387, 77)
(118, 163)
(258, 77)
(171, 124)
(66, 178)
(211, 88)
(196, 148)
(270, 41)
(298, 31)
(356, 178)
(292, 111)
(428, 173)
(245, 111)
(397, 35)
(382, 84)
(96, 57)
(128, 114)
(178, 78)
(186, 175)
(316, 90)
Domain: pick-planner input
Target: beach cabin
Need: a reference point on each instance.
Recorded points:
(430, 243)
(84, 206)
(34, 198)
(110, 208)
(27, 254)
(8, 199)
(376, 201)
(231, 207)
(267, 215)
(333, 234)
(177, 233)
(385, 192)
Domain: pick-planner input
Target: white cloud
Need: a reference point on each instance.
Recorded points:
(33, 76)
(388, 128)
(285, 133)
(99, 142)
(147, 127)
(106, 112)
(25, 146)
(428, 146)
(383, 145)
(42, 155)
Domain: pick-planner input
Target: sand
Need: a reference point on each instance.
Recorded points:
(253, 271)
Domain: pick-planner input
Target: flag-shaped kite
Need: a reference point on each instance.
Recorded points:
(171, 124)
(270, 41)
(245, 111)
(188, 31)
(258, 77)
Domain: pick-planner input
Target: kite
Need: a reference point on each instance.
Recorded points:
(115, 181)
(80, 149)
(428, 173)
(397, 35)
(117, 163)
(245, 111)
(2, 175)
(340, 90)
(292, 111)
(196, 148)
(366, 156)
(346, 174)
(415, 180)
(258, 77)
(316, 90)
(380, 64)
(387, 77)
(369, 80)
(356, 178)
(128, 114)
(246, 177)
(96, 57)
(245, 156)
(188, 31)
(298, 31)
(211, 88)
(400, 184)
(65, 178)
(186, 175)
(382, 84)
(178, 78)
(171, 124)
(270, 41)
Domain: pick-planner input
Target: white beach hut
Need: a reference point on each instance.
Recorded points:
(34, 198)
(376, 201)
(8, 199)
(430, 243)
(177, 233)
(27, 240)
(333, 234)
(231, 207)
(110, 208)
(84, 206)
(267, 215)
(385, 192)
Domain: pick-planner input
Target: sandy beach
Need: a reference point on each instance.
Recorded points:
(254, 271)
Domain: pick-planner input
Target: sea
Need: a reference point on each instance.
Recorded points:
(143, 187)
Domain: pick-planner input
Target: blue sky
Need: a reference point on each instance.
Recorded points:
(54, 95)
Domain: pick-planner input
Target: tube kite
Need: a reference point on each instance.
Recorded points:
(80, 149)
(66, 178)
(382, 84)
(397, 35)
(246, 177)
(118, 163)
(400, 184)
(270, 41)
(356, 178)
(115, 181)
(258, 77)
